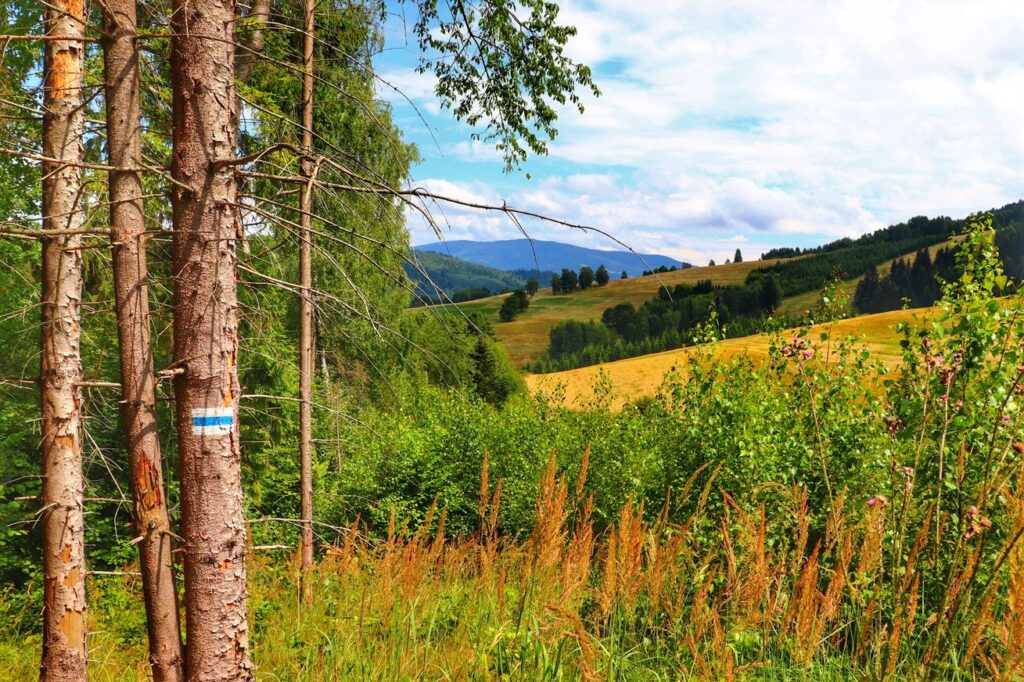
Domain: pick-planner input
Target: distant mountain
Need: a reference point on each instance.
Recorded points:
(524, 254)
(461, 280)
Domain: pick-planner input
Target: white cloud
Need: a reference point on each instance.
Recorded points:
(768, 119)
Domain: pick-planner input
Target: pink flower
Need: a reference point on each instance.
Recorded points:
(976, 525)
(893, 425)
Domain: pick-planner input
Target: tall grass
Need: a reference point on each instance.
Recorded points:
(744, 573)
(739, 595)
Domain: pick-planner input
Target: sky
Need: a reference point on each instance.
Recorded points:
(749, 124)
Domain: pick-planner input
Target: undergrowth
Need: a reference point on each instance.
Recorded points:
(885, 544)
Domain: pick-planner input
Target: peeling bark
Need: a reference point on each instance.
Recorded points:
(306, 347)
(205, 340)
(64, 654)
(138, 393)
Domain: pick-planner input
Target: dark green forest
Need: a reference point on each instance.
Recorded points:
(440, 279)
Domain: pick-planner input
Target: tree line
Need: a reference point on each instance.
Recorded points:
(569, 280)
(667, 321)
(920, 283)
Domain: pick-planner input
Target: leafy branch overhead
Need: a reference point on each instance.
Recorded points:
(501, 66)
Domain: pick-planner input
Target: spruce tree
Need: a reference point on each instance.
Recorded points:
(864, 298)
(771, 294)
(586, 277)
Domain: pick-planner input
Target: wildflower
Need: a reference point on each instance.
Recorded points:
(976, 524)
(797, 347)
(879, 501)
(1006, 419)
(893, 425)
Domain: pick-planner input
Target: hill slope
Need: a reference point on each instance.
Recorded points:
(438, 271)
(641, 376)
(801, 278)
(526, 254)
(526, 337)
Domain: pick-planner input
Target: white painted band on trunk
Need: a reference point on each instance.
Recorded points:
(213, 421)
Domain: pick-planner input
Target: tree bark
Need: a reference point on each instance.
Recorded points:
(206, 227)
(60, 365)
(252, 43)
(138, 393)
(306, 348)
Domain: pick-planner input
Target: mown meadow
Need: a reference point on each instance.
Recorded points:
(819, 514)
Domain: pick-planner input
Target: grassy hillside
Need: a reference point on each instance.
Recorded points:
(526, 337)
(641, 376)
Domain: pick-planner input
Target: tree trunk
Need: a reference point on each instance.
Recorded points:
(306, 348)
(251, 44)
(60, 363)
(205, 340)
(138, 394)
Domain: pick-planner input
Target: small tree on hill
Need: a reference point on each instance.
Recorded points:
(532, 285)
(601, 276)
(492, 381)
(569, 280)
(711, 263)
(513, 305)
(556, 284)
(738, 258)
(624, 275)
(586, 277)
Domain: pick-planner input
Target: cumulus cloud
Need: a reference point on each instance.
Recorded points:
(784, 120)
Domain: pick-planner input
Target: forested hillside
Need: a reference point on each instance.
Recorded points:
(668, 320)
(440, 279)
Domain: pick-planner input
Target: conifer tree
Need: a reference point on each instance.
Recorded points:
(60, 364)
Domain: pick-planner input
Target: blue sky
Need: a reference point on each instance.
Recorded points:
(749, 123)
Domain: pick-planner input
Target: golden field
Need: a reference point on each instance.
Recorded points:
(641, 376)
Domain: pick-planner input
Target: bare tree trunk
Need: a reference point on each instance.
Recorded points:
(206, 227)
(60, 365)
(252, 43)
(306, 348)
(138, 394)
